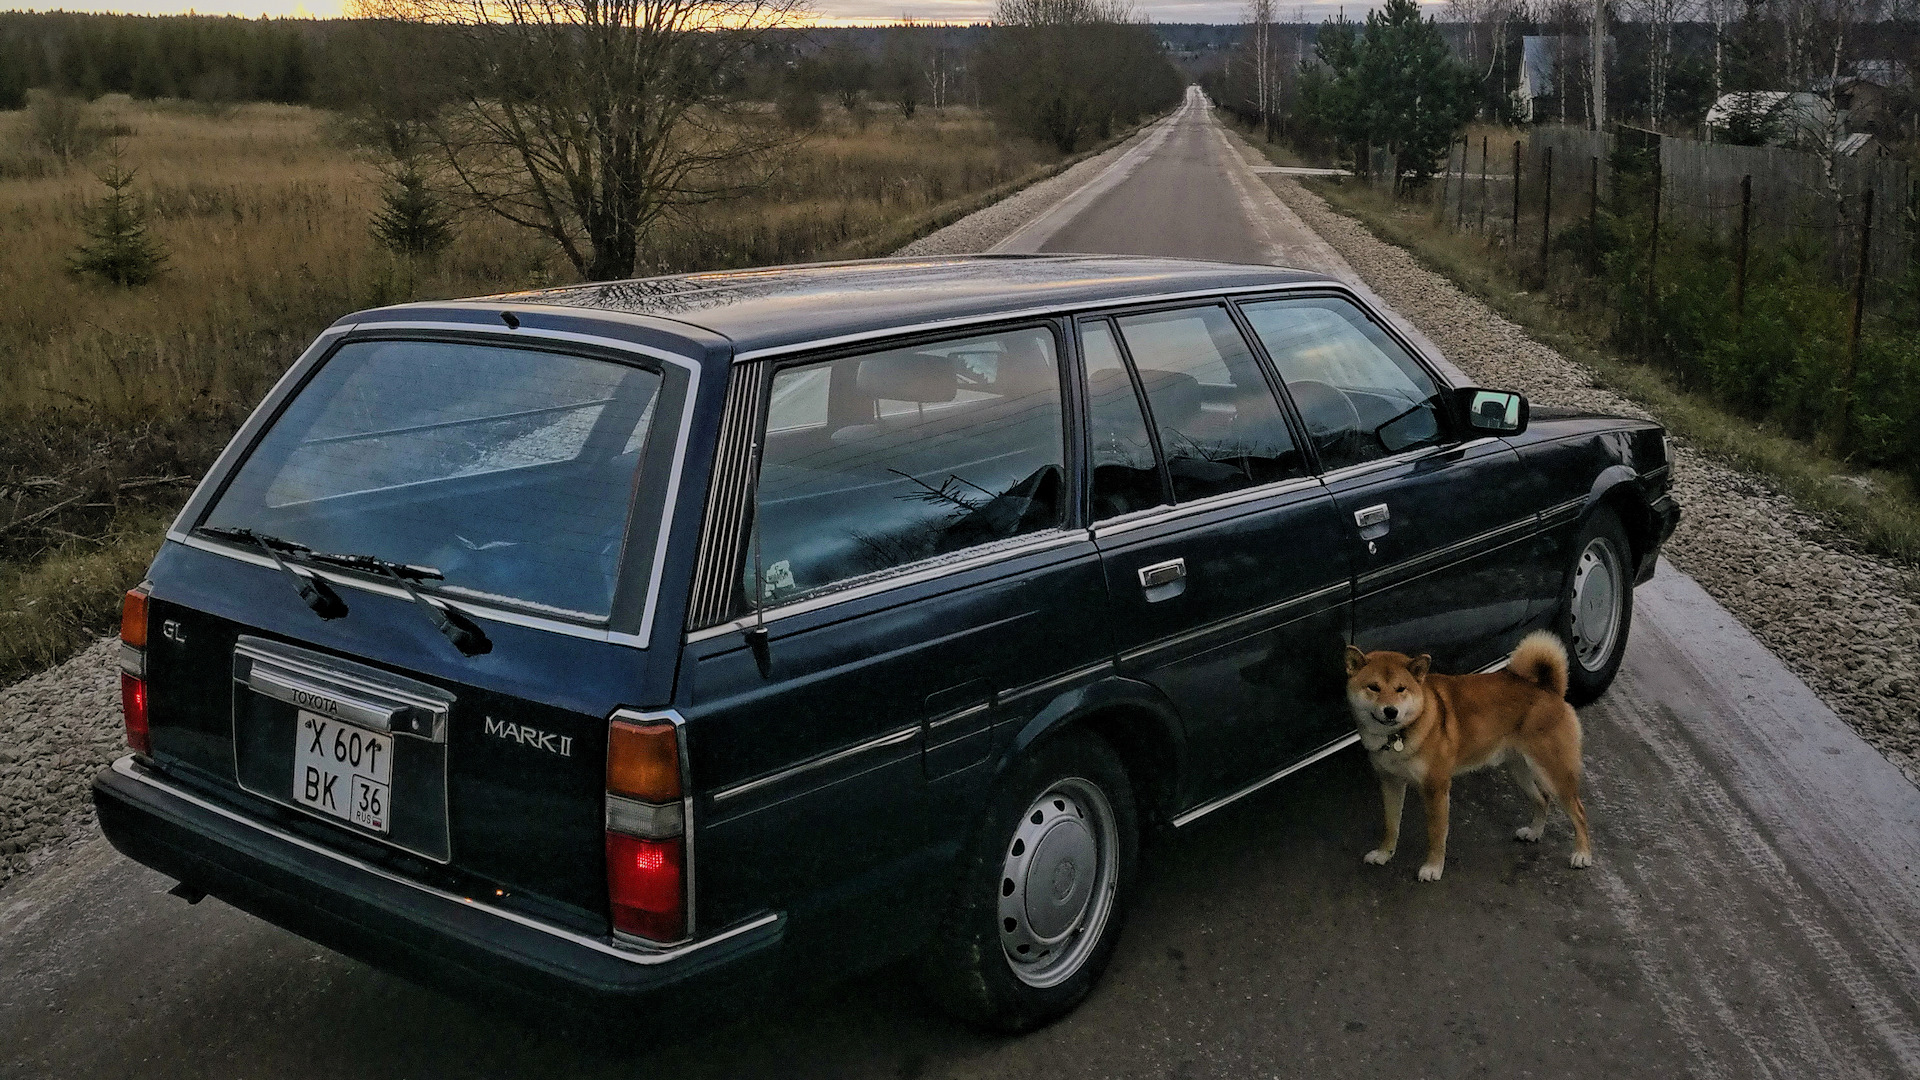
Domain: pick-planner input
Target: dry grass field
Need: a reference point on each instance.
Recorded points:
(114, 400)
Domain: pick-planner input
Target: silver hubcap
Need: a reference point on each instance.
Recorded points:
(1057, 883)
(1596, 603)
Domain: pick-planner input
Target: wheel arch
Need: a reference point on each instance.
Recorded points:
(1135, 719)
(1617, 488)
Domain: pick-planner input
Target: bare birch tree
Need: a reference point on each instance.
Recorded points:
(586, 120)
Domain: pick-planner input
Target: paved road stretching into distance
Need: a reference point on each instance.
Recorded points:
(1754, 910)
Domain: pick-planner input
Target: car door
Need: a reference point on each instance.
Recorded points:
(909, 548)
(1440, 526)
(1224, 565)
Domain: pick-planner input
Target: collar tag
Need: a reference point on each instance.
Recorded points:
(1398, 744)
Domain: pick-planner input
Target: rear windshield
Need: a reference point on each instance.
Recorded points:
(509, 470)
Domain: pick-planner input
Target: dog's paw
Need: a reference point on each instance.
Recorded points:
(1431, 871)
(1581, 860)
(1529, 834)
(1378, 856)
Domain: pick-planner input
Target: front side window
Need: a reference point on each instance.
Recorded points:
(1362, 397)
(874, 461)
(1220, 427)
(509, 470)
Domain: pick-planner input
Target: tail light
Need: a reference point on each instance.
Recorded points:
(646, 832)
(133, 668)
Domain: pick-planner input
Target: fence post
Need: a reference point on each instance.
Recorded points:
(1516, 195)
(1546, 214)
(1653, 258)
(1593, 215)
(1483, 185)
(1859, 310)
(1460, 198)
(1740, 254)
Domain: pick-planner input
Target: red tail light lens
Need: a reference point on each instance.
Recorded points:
(133, 705)
(645, 887)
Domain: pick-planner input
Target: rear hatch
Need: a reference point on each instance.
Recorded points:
(399, 624)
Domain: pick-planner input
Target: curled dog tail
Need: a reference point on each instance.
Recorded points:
(1541, 660)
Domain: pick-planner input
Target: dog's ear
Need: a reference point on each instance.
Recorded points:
(1355, 659)
(1417, 667)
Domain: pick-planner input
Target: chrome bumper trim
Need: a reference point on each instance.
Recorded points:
(125, 768)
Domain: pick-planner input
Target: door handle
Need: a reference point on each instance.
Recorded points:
(1165, 573)
(1372, 515)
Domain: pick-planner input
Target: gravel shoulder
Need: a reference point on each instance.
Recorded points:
(57, 729)
(1846, 622)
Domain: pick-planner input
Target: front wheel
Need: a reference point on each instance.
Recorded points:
(1042, 889)
(1596, 610)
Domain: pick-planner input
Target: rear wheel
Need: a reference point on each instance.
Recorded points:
(1042, 889)
(1597, 609)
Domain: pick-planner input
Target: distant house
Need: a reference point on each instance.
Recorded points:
(1773, 118)
(1552, 66)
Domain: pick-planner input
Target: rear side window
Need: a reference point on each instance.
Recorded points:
(1362, 397)
(509, 470)
(874, 461)
(1126, 475)
(1219, 425)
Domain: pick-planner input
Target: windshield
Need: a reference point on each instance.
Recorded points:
(509, 470)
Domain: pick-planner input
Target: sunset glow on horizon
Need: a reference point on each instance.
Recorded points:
(829, 12)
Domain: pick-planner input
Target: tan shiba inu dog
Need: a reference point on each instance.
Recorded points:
(1424, 729)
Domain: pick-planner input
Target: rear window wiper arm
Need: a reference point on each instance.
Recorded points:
(317, 593)
(462, 631)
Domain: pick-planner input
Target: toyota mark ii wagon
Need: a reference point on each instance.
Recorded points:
(657, 642)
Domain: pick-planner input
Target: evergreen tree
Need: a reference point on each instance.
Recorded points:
(119, 248)
(412, 221)
(1396, 86)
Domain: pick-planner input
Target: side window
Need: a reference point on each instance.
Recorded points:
(882, 459)
(1361, 395)
(1126, 476)
(1219, 425)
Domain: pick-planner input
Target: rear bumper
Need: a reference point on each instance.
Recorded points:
(449, 942)
(1665, 514)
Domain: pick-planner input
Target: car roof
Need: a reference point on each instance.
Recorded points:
(780, 307)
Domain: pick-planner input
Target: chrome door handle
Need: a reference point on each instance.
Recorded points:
(1372, 515)
(1166, 573)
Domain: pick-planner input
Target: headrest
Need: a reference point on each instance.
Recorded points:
(904, 376)
(1027, 366)
(1325, 409)
(1174, 395)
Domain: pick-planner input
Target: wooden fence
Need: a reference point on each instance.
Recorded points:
(1794, 197)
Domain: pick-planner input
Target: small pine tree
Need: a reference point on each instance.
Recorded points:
(413, 221)
(119, 249)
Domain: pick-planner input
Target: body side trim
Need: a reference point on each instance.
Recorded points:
(1243, 620)
(1436, 559)
(1198, 812)
(891, 738)
(909, 575)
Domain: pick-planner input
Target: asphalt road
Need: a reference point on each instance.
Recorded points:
(1754, 908)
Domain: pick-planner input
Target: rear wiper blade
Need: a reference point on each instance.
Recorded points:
(465, 635)
(318, 594)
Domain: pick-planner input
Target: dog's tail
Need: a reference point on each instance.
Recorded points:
(1541, 660)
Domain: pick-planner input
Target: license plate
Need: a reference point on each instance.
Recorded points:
(343, 770)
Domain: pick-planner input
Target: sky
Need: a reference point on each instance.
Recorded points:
(831, 12)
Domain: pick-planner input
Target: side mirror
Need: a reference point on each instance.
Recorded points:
(1493, 412)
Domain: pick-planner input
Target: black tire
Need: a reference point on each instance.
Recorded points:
(969, 968)
(1591, 662)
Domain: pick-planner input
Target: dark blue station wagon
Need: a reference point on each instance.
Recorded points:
(667, 641)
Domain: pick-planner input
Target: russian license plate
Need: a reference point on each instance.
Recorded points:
(343, 770)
